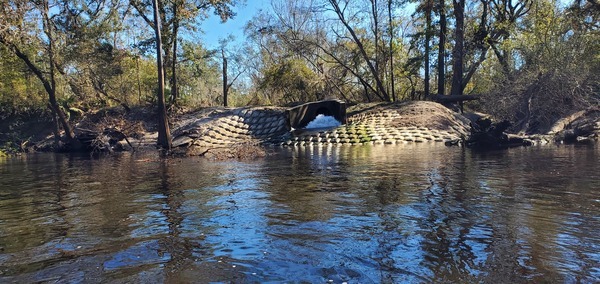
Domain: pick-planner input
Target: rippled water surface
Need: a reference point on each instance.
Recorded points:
(379, 214)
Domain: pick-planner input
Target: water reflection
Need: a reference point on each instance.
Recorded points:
(380, 214)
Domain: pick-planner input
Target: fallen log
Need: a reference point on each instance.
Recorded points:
(105, 141)
(490, 136)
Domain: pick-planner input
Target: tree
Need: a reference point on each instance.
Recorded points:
(15, 35)
(92, 59)
(231, 63)
(441, 67)
(505, 15)
(173, 81)
(18, 91)
(428, 10)
(172, 17)
(175, 17)
(497, 20)
(199, 76)
(311, 31)
(339, 8)
(289, 39)
(291, 80)
(164, 134)
(458, 49)
(391, 49)
(226, 85)
(556, 75)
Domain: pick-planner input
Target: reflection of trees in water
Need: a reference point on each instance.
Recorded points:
(542, 202)
(61, 201)
(118, 216)
(464, 229)
(491, 222)
(191, 260)
(424, 215)
(452, 217)
(373, 176)
(471, 232)
(205, 211)
(179, 249)
(417, 241)
(319, 178)
(448, 221)
(71, 207)
(312, 180)
(26, 207)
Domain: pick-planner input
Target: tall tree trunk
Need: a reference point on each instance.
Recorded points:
(225, 85)
(427, 48)
(376, 34)
(140, 7)
(166, 43)
(391, 47)
(55, 127)
(164, 134)
(139, 84)
(52, 90)
(174, 91)
(482, 42)
(458, 51)
(441, 89)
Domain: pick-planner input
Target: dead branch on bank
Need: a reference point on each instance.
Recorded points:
(533, 104)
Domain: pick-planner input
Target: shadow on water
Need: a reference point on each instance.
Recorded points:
(380, 214)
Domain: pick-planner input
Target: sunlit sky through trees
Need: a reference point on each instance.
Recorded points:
(214, 29)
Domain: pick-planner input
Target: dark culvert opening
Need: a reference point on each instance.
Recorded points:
(300, 116)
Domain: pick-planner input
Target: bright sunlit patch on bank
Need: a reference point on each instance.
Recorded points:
(323, 121)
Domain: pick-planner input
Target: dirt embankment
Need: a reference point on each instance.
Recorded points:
(34, 132)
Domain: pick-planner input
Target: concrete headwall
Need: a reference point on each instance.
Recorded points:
(300, 116)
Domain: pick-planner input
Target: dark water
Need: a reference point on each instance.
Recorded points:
(413, 214)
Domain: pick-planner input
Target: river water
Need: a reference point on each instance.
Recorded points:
(368, 214)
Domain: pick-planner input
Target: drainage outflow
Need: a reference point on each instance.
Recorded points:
(299, 117)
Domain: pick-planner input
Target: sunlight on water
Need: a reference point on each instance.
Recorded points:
(323, 214)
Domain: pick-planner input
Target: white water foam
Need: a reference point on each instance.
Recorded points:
(323, 121)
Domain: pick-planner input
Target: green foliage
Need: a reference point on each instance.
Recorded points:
(555, 71)
(199, 76)
(291, 81)
(96, 64)
(20, 91)
(545, 61)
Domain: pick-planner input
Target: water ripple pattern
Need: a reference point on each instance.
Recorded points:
(420, 213)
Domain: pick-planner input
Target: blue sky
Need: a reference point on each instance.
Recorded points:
(215, 30)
